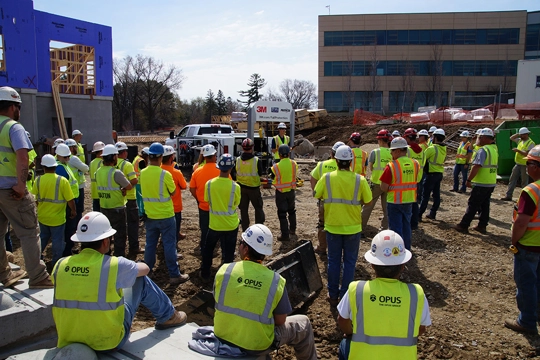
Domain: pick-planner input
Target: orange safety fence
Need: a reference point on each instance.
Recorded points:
(362, 117)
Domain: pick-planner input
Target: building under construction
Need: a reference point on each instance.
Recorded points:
(62, 68)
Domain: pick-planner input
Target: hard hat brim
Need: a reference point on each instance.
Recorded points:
(389, 261)
(91, 238)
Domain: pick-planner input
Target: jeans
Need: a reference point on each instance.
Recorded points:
(432, 184)
(341, 248)
(145, 292)
(420, 189)
(117, 218)
(399, 218)
(518, 171)
(228, 245)
(69, 229)
(178, 221)
(344, 348)
(165, 227)
(132, 215)
(367, 209)
(140, 203)
(204, 223)
(285, 203)
(252, 195)
(464, 171)
(56, 235)
(527, 278)
(479, 199)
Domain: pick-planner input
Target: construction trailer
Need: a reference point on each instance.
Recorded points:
(527, 101)
(62, 68)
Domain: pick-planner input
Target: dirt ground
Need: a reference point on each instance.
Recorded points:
(468, 279)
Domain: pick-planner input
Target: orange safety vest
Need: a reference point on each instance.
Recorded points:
(136, 162)
(279, 184)
(403, 189)
(359, 167)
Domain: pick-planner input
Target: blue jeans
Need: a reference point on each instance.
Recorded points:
(464, 171)
(344, 348)
(145, 292)
(399, 220)
(56, 235)
(341, 247)
(166, 228)
(432, 184)
(527, 278)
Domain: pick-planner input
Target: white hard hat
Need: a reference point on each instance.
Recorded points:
(98, 146)
(486, 132)
(465, 134)
(423, 132)
(57, 142)
(523, 131)
(93, 226)
(70, 142)
(399, 143)
(48, 161)
(76, 132)
(146, 150)
(344, 152)
(109, 149)
(168, 150)
(478, 131)
(439, 132)
(387, 249)
(121, 146)
(208, 150)
(336, 146)
(9, 94)
(282, 126)
(432, 129)
(534, 154)
(396, 133)
(260, 238)
(63, 150)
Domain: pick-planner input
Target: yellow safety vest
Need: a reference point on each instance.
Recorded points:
(324, 167)
(247, 172)
(386, 315)
(418, 157)
(155, 194)
(80, 153)
(461, 156)
(523, 146)
(221, 194)
(404, 179)
(136, 162)
(435, 156)
(94, 166)
(358, 164)
(79, 176)
(109, 191)
(285, 172)
(50, 198)
(8, 158)
(532, 234)
(278, 142)
(488, 172)
(31, 156)
(127, 169)
(424, 145)
(73, 183)
(382, 158)
(246, 294)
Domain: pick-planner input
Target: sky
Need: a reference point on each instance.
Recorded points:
(219, 44)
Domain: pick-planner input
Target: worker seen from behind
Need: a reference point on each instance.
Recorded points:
(77, 136)
(434, 158)
(79, 169)
(96, 296)
(414, 151)
(180, 184)
(254, 318)
(284, 174)
(343, 193)
(378, 159)
(482, 179)
(32, 155)
(157, 186)
(223, 197)
(278, 140)
(395, 134)
(322, 168)
(55, 145)
(375, 328)
(360, 156)
(519, 171)
(526, 238)
(139, 163)
(249, 171)
(463, 159)
(399, 181)
(95, 164)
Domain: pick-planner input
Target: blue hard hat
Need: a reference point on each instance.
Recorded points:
(156, 149)
(226, 162)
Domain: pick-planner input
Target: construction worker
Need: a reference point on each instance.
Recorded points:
(132, 211)
(278, 140)
(525, 237)
(139, 163)
(157, 187)
(433, 164)
(55, 145)
(423, 137)
(343, 193)
(31, 166)
(196, 187)
(95, 164)
(378, 159)
(482, 179)
(180, 184)
(254, 318)
(77, 136)
(374, 328)
(112, 185)
(284, 173)
(463, 159)
(414, 151)
(96, 300)
(223, 197)
(78, 168)
(53, 193)
(63, 154)
(17, 206)
(249, 171)
(430, 133)
(524, 145)
(360, 156)
(396, 134)
(399, 180)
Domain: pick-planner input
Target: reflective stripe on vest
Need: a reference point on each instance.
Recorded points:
(93, 173)
(360, 335)
(73, 183)
(523, 146)
(265, 317)
(230, 209)
(332, 200)
(461, 157)
(161, 198)
(110, 186)
(136, 162)
(533, 189)
(8, 158)
(121, 168)
(435, 158)
(253, 172)
(488, 172)
(280, 185)
(400, 187)
(56, 192)
(278, 142)
(359, 167)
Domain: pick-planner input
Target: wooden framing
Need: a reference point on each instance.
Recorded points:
(73, 70)
(2, 54)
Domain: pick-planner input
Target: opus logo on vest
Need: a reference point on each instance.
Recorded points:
(78, 270)
(394, 301)
(254, 284)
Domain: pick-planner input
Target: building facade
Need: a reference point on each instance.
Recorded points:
(398, 62)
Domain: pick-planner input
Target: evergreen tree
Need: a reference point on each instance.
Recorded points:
(210, 104)
(253, 94)
(221, 103)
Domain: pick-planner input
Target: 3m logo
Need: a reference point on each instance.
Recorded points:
(261, 109)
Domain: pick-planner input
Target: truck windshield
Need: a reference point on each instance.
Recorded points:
(214, 130)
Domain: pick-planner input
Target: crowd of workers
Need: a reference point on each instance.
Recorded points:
(102, 286)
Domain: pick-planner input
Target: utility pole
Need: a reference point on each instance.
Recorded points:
(328, 7)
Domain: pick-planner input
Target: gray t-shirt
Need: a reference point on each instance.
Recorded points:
(19, 140)
(127, 273)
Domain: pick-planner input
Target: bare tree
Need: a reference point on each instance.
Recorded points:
(125, 94)
(434, 80)
(347, 81)
(373, 80)
(300, 94)
(273, 95)
(407, 85)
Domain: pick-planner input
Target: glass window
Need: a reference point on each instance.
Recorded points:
(425, 37)
(459, 37)
(348, 38)
(327, 68)
(381, 68)
(392, 37)
(532, 39)
(370, 38)
(492, 36)
(436, 36)
(403, 37)
(447, 68)
(392, 68)
(381, 37)
(414, 37)
(447, 36)
(481, 36)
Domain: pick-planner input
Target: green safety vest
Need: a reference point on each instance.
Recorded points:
(80, 153)
(386, 315)
(247, 172)
(31, 156)
(79, 175)
(8, 158)
(358, 164)
(285, 172)
(461, 156)
(488, 172)
(73, 183)
(278, 142)
(532, 234)
(435, 158)
(324, 167)
(56, 199)
(221, 196)
(246, 294)
(404, 180)
(109, 191)
(87, 307)
(94, 166)
(418, 157)
(155, 194)
(523, 146)
(382, 158)
(125, 166)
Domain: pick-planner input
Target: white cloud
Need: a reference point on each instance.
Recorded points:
(259, 12)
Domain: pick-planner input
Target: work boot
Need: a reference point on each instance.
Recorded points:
(319, 250)
(14, 277)
(283, 238)
(480, 229)
(10, 256)
(179, 318)
(431, 217)
(506, 198)
(43, 284)
(516, 326)
(175, 281)
(461, 229)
